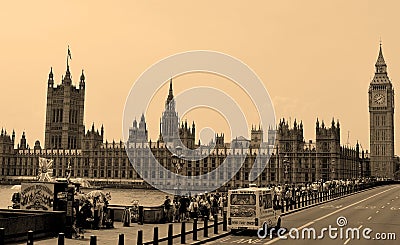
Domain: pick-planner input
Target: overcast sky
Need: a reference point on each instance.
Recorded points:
(316, 58)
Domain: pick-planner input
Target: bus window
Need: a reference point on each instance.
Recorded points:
(243, 199)
(267, 201)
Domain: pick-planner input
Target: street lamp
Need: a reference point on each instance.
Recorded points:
(176, 161)
(286, 166)
(333, 169)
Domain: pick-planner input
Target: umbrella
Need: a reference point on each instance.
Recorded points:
(16, 187)
(96, 193)
(83, 182)
(80, 197)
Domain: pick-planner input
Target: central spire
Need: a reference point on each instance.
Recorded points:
(170, 93)
(67, 73)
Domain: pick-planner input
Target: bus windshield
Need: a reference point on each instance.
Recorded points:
(243, 199)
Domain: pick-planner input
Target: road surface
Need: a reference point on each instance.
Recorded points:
(374, 213)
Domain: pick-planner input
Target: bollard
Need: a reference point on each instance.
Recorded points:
(126, 217)
(215, 224)
(96, 220)
(302, 201)
(170, 233)
(205, 227)
(282, 206)
(139, 240)
(121, 239)
(287, 205)
(2, 235)
(195, 229)
(141, 216)
(155, 236)
(61, 238)
(30, 238)
(225, 222)
(112, 217)
(93, 240)
(183, 232)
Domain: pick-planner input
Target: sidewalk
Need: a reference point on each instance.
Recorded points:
(110, 236)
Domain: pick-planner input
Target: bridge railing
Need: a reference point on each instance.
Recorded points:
(287, 205)
(313, 197)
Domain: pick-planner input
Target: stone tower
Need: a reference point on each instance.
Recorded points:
(257, 136)
(328, 149)
(381, 110)
(290, 141)
(138, 134)
(64, 113)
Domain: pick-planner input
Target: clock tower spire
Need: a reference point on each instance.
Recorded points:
(381, 115)
(380, 64)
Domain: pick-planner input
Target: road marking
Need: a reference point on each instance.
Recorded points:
(369, 217)
(336, 211)
(303, 226)
(348, 239)
(226, 239)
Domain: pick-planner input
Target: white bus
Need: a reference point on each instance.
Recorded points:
(249, 208)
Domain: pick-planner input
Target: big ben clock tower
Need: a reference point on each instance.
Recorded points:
(381, 110)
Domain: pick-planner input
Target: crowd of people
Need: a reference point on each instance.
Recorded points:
(290, 192)
(91, 212)
(183, 208)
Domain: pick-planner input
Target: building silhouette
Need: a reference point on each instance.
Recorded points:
(286, 157)
(64, 113)
(381, 114)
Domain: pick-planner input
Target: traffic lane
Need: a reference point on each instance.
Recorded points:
(353, 216)
(384, 219)
(300, 218)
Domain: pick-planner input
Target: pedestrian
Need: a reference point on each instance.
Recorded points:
(168, 209)
(193, 208)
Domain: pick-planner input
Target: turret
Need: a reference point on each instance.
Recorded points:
(50, 81)
(13, 137)
(23, 141)
(82, 81)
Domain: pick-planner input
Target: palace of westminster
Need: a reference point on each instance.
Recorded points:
(293, 160)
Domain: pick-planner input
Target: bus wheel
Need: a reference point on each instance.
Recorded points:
(278, 224)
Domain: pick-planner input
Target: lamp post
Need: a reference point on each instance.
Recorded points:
(286, 168)
(333, 169)
(178, 164)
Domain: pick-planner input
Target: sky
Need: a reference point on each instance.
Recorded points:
(315, 58)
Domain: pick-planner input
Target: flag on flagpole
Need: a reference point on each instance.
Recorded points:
(69, 53)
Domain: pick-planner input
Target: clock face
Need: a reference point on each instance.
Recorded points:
(379, 98)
